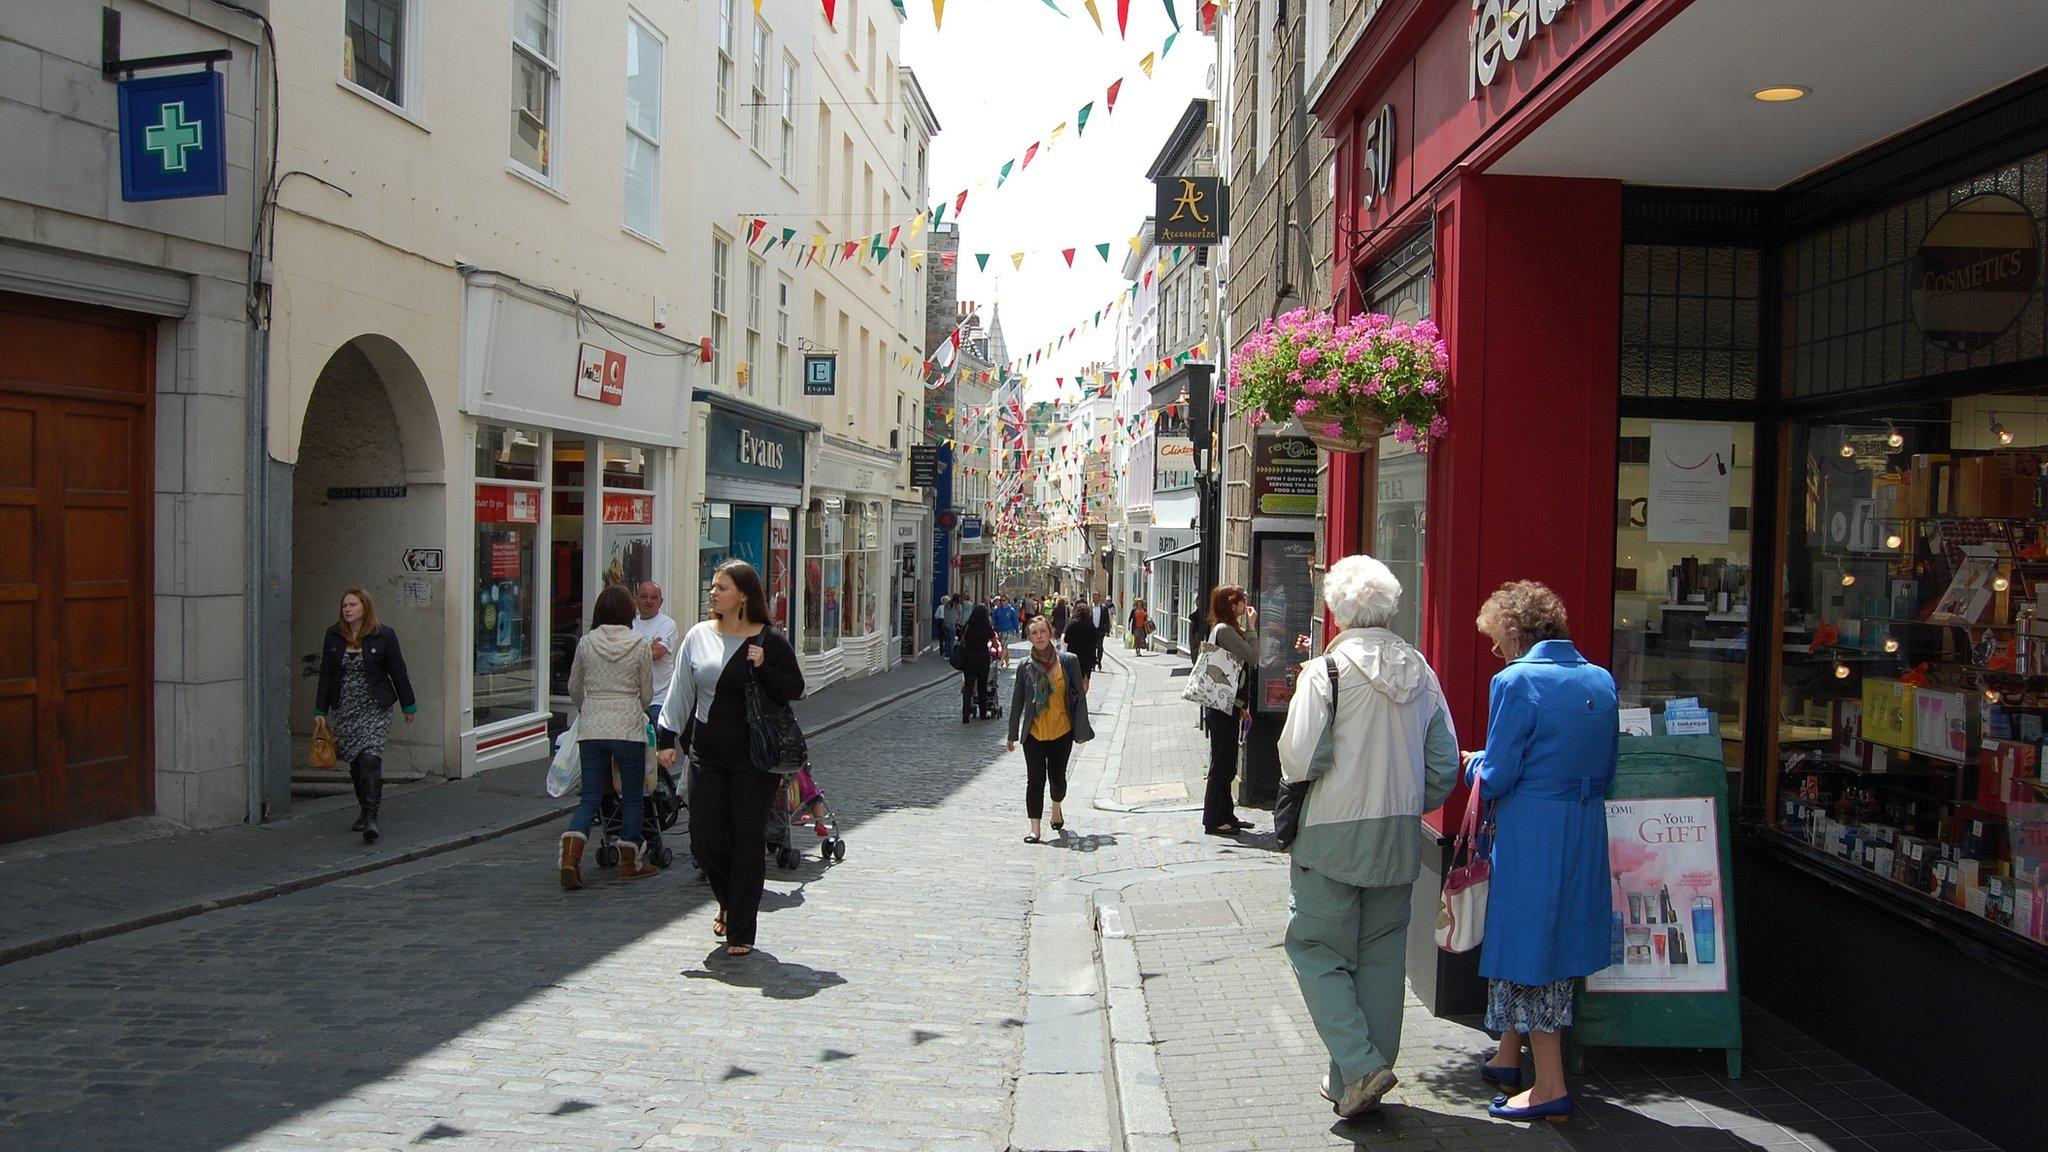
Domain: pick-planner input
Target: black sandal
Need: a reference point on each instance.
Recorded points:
(1033, 840)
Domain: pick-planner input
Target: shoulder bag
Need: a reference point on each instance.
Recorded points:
(775, 743)
(1213, 681)
(1461, 910)
(1294, 797)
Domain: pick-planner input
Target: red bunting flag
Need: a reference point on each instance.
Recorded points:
(1114, 87)
(960, 201)
(1123, 18)
(1069, 254)
(1029, 153)
(892, 235)
(830, 18)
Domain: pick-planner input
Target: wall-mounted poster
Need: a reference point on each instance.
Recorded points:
(1689, 489)
(1283, 590)
(1668, 925)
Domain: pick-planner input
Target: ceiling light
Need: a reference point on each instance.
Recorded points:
(1848, 450)
(1999, 430)
(2000, 582)
(1891, 644)
(1894, 541)
(1841, 671)
(1781, 93)
(1894, 439)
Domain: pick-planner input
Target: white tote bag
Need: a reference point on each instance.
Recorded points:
(1461, 910)
(1213, 681)
(565, 772)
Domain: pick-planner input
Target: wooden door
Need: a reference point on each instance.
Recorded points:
(76, 668)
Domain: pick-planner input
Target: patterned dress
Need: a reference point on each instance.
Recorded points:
(359, 724)
(1512, 1007)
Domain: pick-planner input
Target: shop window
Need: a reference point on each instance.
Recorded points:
(627, 517)
(824, 573)
(1683, 576)
(714, 547)
(379, 45)
(1914, 679)
(506, 515)
(781, 577)
(1689, 322)
(1400, 514)
(568, 594)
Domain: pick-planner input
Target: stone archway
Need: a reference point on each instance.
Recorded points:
(370, 485)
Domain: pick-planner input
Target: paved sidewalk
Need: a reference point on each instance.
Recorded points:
(64, 890)
(1162, 761)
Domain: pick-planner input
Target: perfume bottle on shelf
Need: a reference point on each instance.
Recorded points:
(1703, 929)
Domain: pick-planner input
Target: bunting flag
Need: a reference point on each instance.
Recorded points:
(831, 17)
(898, 5)
(1123, 18)
(1102, 250)
(1069, 254)
(1081, 118)
(1115, 86)
(1017, 260)
(981, 259)
(1170, 15)
(938, 13)
(1168, 46)
(1146, 64)
(1028, 154)
(1093, 13)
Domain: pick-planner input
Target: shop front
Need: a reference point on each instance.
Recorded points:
(573, 440)
(1173, 588)
(909, 560)
(1768, 407)
(847, 581)
(753, 461)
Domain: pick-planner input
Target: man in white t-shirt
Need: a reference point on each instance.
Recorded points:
(661, 632)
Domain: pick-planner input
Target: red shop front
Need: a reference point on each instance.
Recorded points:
(1807, 241)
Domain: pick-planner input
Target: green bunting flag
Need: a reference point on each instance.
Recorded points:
(1173, 16)
(1081, 118)
(1171, 37)
(1102, 250)
(981, 260)
(1007, 165)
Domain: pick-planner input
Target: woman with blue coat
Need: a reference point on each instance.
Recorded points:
(1552, 738)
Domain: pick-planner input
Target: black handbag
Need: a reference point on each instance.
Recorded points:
(959, 659)
(775, 742)
(1294, 797)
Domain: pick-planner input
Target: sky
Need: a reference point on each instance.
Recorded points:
(1000, 75)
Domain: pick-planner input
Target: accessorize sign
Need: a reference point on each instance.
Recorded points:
(1975, 271)
(1667, 929)
(1189, 210)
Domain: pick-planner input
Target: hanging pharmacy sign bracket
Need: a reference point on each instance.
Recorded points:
(171, 127)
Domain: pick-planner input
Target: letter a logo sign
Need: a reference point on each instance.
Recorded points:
(1190, 211)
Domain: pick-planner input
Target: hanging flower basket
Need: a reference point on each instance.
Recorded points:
(1348, 384)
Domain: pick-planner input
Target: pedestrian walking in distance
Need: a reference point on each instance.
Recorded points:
(1552, 740)
(707, 709)
(1382, 757)
(1050, 707)
(973, 657)
(609, 682)
(1059, 617)
(362, 674)
(1080, 637)
(1105, 623)
(1140, 626)
(1232, 623)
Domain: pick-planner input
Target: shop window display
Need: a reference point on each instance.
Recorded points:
(1682, 569)
(1911, 728)
(506, 512)
(824, 573)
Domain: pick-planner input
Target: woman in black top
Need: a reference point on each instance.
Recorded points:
(362, 674)
(1232, 620)
(974, 641)
(707, 702)
(1084, 642)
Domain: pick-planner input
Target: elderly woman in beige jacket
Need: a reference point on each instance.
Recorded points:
(1388, 755)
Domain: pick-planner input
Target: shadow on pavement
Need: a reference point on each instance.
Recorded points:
(205, 1033)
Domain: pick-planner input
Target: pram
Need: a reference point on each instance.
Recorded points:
(663, 808)
(799, 805)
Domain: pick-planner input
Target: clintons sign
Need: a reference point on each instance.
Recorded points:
(1501, 31)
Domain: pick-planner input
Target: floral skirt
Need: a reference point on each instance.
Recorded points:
(1512, 1007)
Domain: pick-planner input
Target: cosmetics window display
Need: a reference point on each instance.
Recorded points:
(1912, 733)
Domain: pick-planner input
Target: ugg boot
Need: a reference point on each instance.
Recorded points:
(631, 867)
(571, 863)
(355, 777)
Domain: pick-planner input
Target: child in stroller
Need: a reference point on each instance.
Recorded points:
(799, 804)
(662, 808)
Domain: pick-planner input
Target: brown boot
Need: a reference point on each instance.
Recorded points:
(631, 867)
(571, 865)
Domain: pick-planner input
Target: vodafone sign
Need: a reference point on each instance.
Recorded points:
(1501, 31)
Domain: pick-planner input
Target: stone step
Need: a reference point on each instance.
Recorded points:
(313, 782)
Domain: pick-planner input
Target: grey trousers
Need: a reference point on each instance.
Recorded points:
(1349, 948)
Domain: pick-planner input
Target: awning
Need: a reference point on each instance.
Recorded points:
(1176, 552)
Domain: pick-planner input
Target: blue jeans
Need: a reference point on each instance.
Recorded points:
(598, 756)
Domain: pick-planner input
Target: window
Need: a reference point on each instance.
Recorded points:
(509, 494)
(1262, 91)
(728, 47)
(824, 180)
(757, 103)
(757, 271)
(786, 159)
(852, 22)
(824, 573)
(536, 83)
(782, 358)
(721, 259)
(643, 129)
(871, 55)
(378, 45)
(1318, 38)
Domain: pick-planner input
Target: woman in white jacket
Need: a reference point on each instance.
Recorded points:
(1387, 756)
(609, 683)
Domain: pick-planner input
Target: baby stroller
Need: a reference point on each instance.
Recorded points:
(991, 708)
(663, 808)
(799, 805)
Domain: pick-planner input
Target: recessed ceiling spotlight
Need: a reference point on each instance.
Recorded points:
(1782, 93)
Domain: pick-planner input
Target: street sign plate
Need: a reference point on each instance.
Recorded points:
(423, 560)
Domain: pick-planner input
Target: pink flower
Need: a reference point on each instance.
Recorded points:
(1333, 429)
(1255, 417)
(1390, 364)
(1438, 426)
(1294, 377)
(1404, 431)
(1374, 388)
(1311, 356)
(1222, 396)
(1431, 387)
(1304, 406)
(1427, 330)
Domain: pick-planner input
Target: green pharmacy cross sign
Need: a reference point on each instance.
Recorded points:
(171, 145)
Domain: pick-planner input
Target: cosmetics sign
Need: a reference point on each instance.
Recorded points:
(1666, 920)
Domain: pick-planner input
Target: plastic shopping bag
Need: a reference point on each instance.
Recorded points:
(565, 772)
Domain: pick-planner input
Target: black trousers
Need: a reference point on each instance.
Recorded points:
(1216, 807)
(973, 686)
(1045, 760)
(729, 838)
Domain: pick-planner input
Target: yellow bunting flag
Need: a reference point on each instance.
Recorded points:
(1146, 64)
(1093, 14)
(938, 13)
(1017, 261)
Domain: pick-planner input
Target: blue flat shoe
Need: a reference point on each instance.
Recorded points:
(1556, 1111)
(1505, 1077)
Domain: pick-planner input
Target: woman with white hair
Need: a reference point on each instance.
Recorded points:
(1379, 745)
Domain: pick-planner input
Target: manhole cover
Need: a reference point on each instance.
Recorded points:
(1181, 671)
(1191, 917)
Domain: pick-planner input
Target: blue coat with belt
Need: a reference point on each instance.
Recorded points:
(1552, 738)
